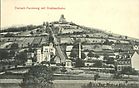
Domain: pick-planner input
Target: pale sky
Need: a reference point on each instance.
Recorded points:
(117, 16)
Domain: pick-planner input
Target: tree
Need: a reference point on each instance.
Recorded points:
(83, 56)
(38, 77)
(44, 24)
(12, 53)
(129, 71)
(97, 63)
(97, 56)
(8, 35)
(75, 51)
(31, 33)
(52, 61)
(51, 39)
(106, 56)
(106, 42)
(110, 60)
(125, 37)
(73, 54)
(87, 36)
(14, 46)
(96, 76)
(89, 85)
(21, 58)
(79, 62)
(3, 54)
(63, 70)
(37, 30)
(90, 54)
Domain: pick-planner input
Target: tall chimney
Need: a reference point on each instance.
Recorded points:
(80, 50)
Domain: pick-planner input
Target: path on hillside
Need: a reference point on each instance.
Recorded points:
(58, 49)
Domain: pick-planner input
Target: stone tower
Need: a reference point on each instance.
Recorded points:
(62, 19)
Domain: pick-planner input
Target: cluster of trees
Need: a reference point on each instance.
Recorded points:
(19, 29)
(79, 62)
(75, 52)
(4, 54)
(9, 35)
(14, 46)
(11, 57)
(51, 39)
(107, 42)
(21, 58)
(38, 77)
(97, 63)
(129, 71)
(77, 33)
(74, 33)
(126, 71)
(90, 55)
(109, 60)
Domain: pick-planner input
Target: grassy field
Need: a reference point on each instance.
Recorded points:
(70, 83)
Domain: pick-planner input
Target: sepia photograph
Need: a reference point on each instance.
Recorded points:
(69, 44)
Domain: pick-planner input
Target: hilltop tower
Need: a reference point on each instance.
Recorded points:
(62, 19)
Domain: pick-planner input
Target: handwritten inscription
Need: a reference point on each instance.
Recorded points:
(39, 8)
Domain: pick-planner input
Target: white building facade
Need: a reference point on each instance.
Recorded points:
(135, 61)
(45, 53)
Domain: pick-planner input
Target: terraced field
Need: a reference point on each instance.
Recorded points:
(44, 40)
(7, 39)
(36, 41)
(26, 42)
(4, 45)
(67, 40)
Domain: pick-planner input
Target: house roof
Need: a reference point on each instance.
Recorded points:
(137, 51)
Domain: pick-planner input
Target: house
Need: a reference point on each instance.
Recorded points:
(68, 50)
(30, 54)
(29, 62)
(121, 64)
(135, 60)
(68, 64)
(123, 61)
(48, 52)
(39, 55)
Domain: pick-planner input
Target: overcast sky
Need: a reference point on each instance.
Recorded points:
(117, 16)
